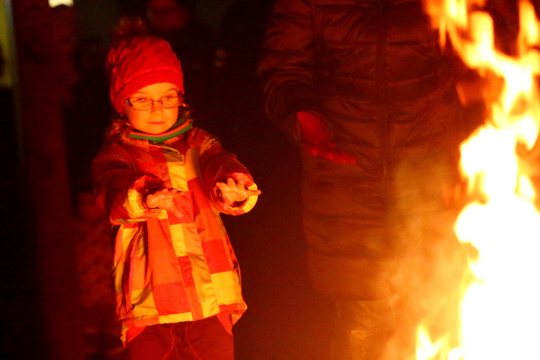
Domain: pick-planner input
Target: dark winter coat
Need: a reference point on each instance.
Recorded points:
(376, 72)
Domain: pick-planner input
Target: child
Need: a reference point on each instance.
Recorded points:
(165, 183)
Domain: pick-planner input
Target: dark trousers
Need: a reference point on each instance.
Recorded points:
(205, 339)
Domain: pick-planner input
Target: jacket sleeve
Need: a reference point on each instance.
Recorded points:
(285, 69)
(217, 165)
(120, 189)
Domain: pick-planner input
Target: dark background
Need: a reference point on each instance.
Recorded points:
(47, 145)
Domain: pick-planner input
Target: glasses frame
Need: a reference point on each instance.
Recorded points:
(179, 96)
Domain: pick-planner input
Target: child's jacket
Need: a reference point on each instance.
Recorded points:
(169, 269)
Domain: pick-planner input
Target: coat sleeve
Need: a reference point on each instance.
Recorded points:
(217, 165)
(285, 69)
(120, 189)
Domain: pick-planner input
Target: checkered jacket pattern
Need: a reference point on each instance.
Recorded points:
(167, 268)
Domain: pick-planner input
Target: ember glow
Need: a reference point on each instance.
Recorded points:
(500, 310)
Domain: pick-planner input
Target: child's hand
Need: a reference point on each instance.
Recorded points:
(164, 199)
(234, 191)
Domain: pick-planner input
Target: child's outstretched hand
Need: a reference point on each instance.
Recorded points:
(164, 199)
(234, 191)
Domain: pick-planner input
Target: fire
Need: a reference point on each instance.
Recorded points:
(500, 310)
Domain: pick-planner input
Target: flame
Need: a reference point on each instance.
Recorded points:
(500, 310)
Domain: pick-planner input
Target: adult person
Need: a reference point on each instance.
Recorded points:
(364, 89)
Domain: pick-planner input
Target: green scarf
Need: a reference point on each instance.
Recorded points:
(182, 125)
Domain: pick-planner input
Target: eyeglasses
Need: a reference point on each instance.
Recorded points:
(147, 104)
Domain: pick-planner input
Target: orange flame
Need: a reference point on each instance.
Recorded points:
(500, 312)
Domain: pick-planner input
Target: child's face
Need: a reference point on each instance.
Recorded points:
(158, 119)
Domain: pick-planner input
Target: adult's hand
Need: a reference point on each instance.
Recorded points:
(317, 141)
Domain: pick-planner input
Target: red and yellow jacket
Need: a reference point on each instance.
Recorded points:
(167, 268)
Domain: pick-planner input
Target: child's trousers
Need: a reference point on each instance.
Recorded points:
(205, 339)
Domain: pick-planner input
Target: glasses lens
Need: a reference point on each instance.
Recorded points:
(143, 104)
(169, 102)
(146, 104)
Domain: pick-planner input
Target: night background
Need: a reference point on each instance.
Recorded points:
(53, 112)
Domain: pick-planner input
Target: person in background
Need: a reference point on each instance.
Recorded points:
(240, 37)
(368, 95)
(193, 42)
(64, 31)
(164, 182)
(98, 300)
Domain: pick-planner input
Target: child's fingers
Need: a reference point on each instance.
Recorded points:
(163, 199)
(152, 200)
(222, 186)
(169, 192)
(234, 191)
(254, 192)
(231, 182)
(238, 176)
(241, 185)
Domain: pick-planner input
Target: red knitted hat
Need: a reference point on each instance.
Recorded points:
(137, 61)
